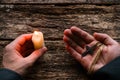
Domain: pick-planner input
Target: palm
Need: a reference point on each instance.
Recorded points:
(107, 55)
(76, 40)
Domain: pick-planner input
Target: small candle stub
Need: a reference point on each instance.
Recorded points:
(38, 39)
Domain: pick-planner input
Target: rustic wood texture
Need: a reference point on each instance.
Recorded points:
(62, 1)
(52, 20)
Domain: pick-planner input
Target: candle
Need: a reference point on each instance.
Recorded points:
(38, 39)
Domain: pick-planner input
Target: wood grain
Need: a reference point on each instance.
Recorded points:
(62, 1)
(52, 20)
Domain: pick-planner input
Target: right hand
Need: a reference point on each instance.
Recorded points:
(76, 40)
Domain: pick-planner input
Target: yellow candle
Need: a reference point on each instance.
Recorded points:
(38, 39)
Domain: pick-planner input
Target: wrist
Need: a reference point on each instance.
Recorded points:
(8, 74)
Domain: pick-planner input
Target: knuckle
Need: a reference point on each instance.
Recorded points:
(7, 47)
(22, 35)
(106, 35)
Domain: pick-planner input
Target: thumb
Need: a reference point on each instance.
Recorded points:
(104, 38)
(36, 54)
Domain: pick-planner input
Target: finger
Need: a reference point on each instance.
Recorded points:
(74, 53)
(85, 61)
(72, 44)
(36, 54)
(82, 34)
(104, 38)
(21, 39)
(75, 38)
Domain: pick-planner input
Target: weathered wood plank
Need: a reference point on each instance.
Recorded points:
(58, 10)
(21, 19)
(62, 1)
(55, 34)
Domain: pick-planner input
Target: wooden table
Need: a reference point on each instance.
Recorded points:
(52, 17)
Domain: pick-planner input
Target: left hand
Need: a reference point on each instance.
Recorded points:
(20, 54)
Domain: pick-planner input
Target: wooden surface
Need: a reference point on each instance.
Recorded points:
(62, 1)
(52, 20)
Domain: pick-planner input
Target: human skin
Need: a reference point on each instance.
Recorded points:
(20, 54)
(77, 39)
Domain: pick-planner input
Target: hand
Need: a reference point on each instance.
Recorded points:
(76, 40)
(20, 54)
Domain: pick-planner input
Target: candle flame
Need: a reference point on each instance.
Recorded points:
(36, 32)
